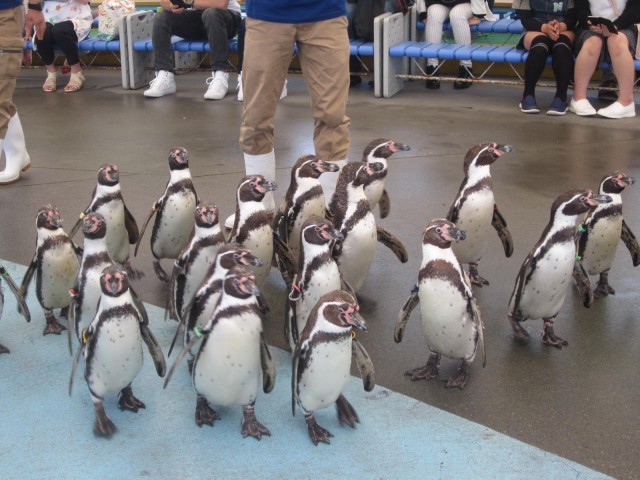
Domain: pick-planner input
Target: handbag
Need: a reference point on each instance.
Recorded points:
(109, 14)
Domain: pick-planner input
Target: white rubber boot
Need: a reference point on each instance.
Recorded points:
(15, 151)
(265, 165)
(328, 181)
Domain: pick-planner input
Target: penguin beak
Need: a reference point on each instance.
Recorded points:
(595, 200)
(335, 234)
(269, 186)
(398, 147)
(324, 166)
(353, 318)
(500, 149)
(626, 180)
(114, 285)
(374, 167)
(251, 260)
(454, 233)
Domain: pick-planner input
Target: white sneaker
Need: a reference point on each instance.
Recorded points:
(162, 85)
(617, 110)
(239, 88)
(582, 107)
(218, 86)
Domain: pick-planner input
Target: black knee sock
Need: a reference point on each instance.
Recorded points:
(536, 61)
(562, 63)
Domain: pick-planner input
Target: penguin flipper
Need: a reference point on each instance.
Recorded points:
(154, 350)
(191, 344)
(393, 243)
(583, 284)
(477, 317)
(500, 225)
(71, 318)
(22, 305)
(26, 280)
(365, 365)
(154, 209)
(131, 226)
(268, 366)
(74, 367)
(631, 243)
(284, 258)
(176, 287)
(279, 225)
(384, 204)
(300, 350)
(405, 313)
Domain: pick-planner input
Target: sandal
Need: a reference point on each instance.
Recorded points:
(50, 83)
(75, 82)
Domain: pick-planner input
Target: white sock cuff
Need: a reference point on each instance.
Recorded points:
(263, 164)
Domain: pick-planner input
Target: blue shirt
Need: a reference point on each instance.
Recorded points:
(295, 11)
(7, 4)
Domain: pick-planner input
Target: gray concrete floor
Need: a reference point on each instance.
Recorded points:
(579, 402)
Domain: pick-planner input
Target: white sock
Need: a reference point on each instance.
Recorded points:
(265, 165)
(328, 181)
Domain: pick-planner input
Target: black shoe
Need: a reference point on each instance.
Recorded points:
(610, 95)
(432, 84)
(463, 72)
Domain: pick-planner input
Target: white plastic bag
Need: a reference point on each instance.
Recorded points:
(109, 13)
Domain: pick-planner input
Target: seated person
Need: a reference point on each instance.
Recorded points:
(461, 14)
(596, 44)
(217, 21)
(68, 22)
(549, 31)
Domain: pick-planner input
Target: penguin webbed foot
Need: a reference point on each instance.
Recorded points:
(3, 349)
(346, 413)
(127, 400)
(459, 380)
(475, 277)
(428, 372)
(103, 426)
(317, 434)
(603, 289)
(519, 332)
(550, 338)
(53, 326)
(205, 415)
(159, 271)
(251, 427)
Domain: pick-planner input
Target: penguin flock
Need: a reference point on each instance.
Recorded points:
(324, 249)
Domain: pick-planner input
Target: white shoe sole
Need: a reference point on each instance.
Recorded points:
(158, 95)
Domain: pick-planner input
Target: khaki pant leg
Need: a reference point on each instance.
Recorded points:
(323, 49)
(11, 44)
(268, 50)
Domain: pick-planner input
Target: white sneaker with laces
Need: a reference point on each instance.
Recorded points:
(162, 85)
(218, 86)
(617, 110)
(239, 88)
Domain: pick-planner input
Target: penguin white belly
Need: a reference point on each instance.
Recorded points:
(227, 369)
(544, 293)
(117, 355)
(448, 327)
(175, 225)
(91, 293)
(313, 207)
(373, 192)
(59, 268)
(326, 375)
(475, 219)
(196, 274)
(358, 250)
(602, 244)
(117, 236)
(324, 280)
(260, 242)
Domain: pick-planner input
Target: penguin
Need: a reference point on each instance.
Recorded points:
(600, 232)
(379, 151)
(22, 305)
(195, 260)
(317, 274)
(205, 299)
(303, 199)
(112, 349)
(252, 228)
(541, 284)
(55, 264)
(232, 354)
(86, 291)
(451, 318)
(174, 213)
(474, 209)
(321, 363)
(122, 229)
(351, 215)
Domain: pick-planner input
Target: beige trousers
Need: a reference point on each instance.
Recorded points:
(11, 44)
(323, 51)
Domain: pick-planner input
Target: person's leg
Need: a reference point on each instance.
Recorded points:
(323, 50)
(623, 66)
(459, 17)
(46, 51)
(586, 63)
(539, 46)
(436, 16)
(65, 37)
(220, 25)
(562, 64)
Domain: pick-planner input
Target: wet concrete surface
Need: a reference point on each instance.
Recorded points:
(579, 402)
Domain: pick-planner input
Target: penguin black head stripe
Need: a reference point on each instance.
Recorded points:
(252, 188)
(240, 282)
(49, 217)
(365, 171)
(206, 215)
(441, 233)
(109, 175)
(577, 202)
(341, 309)
(114, 281)
(484, 154)
(94, 226)
(382, 148)
(318, 231)
(231, 255)
(178, 158)
(312, 166)
(615, 183)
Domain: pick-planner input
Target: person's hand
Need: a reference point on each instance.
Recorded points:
(170, 7)
(597, 29)
(35, 19)
(551, 30)
(474, 20)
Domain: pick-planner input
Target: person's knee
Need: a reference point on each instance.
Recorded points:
(592, 46)
(617, 46)
(213, 17)
(563, 46)
(162, 20)
(541, 45)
